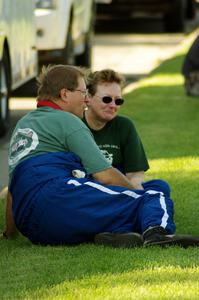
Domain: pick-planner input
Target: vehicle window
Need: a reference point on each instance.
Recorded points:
(44, 3)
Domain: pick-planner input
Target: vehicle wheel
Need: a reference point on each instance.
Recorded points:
(85, 59)
(4, 94)
(68, 56)
(191, 9)
(28, 89)
(176, 18)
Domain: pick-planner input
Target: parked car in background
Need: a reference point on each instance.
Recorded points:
(173, 12)
(64, 31)
(18, 54)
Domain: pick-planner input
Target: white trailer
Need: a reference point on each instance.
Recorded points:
(64, 31)
(18, 54)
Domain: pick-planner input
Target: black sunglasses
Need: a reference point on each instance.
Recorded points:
(108, 99)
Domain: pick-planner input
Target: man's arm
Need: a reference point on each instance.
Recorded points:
(112, 176)
(136, 178)
(10, 228)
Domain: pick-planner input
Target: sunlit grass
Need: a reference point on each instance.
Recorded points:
(157, 283)
(186, 165)
(162, 80)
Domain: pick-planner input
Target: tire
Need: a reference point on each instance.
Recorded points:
(4, 94)
(175, 20)
(191, 9)
(68, 56)
(28, 89)
(85, 59)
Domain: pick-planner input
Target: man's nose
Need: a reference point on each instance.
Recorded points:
(86, 99)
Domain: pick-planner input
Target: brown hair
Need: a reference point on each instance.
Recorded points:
(53, 78)
(103, 76)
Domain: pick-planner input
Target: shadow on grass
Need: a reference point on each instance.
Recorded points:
(34, 271)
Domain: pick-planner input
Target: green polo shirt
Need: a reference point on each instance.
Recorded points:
(47, 130)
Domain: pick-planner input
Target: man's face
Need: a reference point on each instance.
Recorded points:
(78, 99)
(105, 112)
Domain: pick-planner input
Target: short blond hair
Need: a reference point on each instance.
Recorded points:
(103, 76)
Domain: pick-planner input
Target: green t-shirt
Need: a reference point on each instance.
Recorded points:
(47, 130)
(120, 143)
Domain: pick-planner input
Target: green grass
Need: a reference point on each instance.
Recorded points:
(167, 121)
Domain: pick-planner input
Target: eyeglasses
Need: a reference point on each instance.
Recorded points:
(83, 92)
(108, 99)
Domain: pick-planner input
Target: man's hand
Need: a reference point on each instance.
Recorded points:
(10, 228)
(3, 236)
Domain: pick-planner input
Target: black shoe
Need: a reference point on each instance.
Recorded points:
(119, 240)
(158, 236)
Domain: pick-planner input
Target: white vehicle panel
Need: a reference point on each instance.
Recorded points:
(62, 24)
(18, 53)
(18, 27)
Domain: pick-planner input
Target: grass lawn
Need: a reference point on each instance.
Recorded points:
(167, 121)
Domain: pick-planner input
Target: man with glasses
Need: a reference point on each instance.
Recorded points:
(63, 191)
(115, 135)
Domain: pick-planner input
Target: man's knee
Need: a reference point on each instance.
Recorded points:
(158, 185)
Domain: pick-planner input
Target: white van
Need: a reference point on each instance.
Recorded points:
(64, 31)
(18, 54)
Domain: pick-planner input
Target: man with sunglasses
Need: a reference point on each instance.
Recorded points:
(63, 191)
(115, 135)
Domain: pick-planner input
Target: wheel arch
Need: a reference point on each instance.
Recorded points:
(5, 51)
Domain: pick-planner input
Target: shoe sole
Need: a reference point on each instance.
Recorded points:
(181, 241)
(119, 240)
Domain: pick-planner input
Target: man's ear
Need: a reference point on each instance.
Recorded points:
(64, 94)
